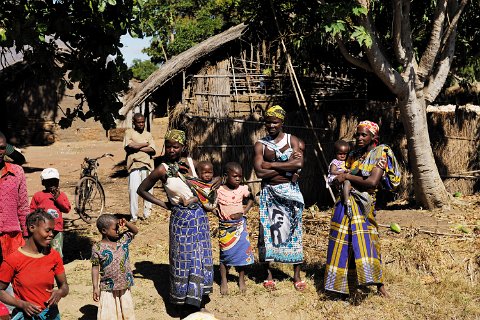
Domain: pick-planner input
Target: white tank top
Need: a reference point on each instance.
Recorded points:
(176, 188)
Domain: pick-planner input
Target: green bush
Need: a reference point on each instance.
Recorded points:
(142, 69)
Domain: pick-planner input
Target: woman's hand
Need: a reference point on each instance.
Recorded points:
(30, 308)
(96, 294)
(217, 182)
(55, 297)
(341, 178)
(382, 163)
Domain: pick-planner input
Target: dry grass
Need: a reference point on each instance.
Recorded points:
(428, 277)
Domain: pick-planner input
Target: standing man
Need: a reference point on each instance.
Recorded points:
(13, 204)
(140, 148)
(277, 157)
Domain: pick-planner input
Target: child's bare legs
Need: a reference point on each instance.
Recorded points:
(241, 279)
(224, 282)
(346, 187)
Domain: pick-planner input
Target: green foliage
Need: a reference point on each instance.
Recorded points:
(467, 53)
(336, 28)
(72, 40)
(141, 70)
(361, 36)
(176, 26)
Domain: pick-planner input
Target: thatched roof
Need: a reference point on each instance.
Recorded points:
(177, 64)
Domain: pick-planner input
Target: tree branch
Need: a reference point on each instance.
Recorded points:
(430, 54)
(350, 58)
(378, 62)
(453, 24)
(447, 50)
(397, 32)
(437, 79)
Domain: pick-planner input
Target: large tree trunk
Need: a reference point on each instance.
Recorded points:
(428, 186)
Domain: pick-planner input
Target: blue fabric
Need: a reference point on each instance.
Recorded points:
(191, 262)
(280, 236)
(51, 313)
(235, 247)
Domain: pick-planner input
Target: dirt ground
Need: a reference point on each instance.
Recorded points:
(429, 276)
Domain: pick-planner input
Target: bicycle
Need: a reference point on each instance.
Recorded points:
(89, 193)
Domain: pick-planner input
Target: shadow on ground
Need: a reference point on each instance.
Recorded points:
(28, 169)
(89, 312)
(119, 170)
(76, 246)
(159, 274)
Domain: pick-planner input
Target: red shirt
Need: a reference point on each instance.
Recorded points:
(31, 275)
(44, 200)
(13, 199)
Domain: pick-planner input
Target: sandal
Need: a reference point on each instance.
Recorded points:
(300, 285)
(270, 285)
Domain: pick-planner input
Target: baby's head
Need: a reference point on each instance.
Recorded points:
(107, 224)
(233, 174)
(50, 179)
(341, 150)
(40, 226)
(205, 171)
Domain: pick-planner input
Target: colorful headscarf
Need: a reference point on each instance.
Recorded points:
(176, 135)
(276, 111)
(372, 127)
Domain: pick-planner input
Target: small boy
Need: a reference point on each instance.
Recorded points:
(54, 202)
(111, 273)
(202, 187)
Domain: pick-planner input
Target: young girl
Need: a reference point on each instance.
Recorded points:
(235, 248)
(110, 258)
(337, 166)
(54, 201)
(32, 270)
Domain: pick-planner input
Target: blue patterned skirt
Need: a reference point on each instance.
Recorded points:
(191, 263)
(280, 235)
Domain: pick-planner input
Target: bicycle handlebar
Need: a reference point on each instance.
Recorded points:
(105, 155)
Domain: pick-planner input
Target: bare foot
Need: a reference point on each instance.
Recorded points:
(383, 292)
(242, 286)
(224, 288)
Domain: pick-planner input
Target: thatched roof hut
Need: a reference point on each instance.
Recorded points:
(217, 91)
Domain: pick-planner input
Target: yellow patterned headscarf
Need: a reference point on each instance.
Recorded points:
(175, 135)
(276, 111)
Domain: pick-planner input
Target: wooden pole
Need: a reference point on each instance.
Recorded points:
(303, 106)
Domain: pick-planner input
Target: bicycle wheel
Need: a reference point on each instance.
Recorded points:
(89, 199)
